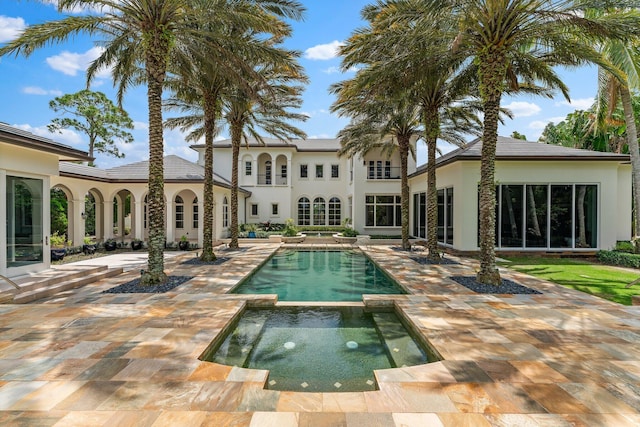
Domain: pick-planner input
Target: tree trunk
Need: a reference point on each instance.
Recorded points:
(533, 212)
(492, 73)
(209, 206)
(403, 145)
(236, 136)
(634, 152)
(155, 66)
(432, 128)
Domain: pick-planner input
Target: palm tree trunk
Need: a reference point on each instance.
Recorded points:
(492, 73)
(634, 152)
(209, 207)
(155, 64)
(236, 135)
(403, 145)
(432, 127)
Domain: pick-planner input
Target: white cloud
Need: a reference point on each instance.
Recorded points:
(70, 63)
(74, 9)
(37, 90)
(140, 125)
(580, 104)
(66, 136)
(541, 124)
(320, 136)
(335, 70)
(323, 52)
(523, 109)
(10, 27)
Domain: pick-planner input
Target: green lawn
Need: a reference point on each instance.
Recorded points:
(595, 279)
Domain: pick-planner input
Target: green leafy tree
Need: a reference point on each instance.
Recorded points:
(517, 135)
(93, 114)
(59, 203)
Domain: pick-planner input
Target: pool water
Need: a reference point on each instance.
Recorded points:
(319, 276)
(318, 349)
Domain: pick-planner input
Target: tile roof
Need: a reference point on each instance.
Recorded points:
(176, 169)
(15, 136)
(517, 149)
(298, 144)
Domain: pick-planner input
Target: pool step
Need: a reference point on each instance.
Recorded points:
(402, 348)
(238, 346)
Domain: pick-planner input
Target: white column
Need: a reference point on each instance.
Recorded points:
(138, 215)
(76, 222)
(170, 226)
(107, 223)
(4, 220)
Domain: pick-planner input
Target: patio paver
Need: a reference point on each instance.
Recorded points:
(88, 358)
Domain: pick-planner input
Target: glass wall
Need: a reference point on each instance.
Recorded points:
(445, 215)
(383, 211)
(420, 215)
(554, 216)
(24, 221)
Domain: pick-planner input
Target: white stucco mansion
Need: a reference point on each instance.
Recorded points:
(550, 198)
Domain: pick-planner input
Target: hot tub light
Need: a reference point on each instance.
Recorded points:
(289, 345)
(352, 345)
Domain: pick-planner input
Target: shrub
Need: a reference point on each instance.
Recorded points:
(625, 246)
(290, 229)
(622, 259)
(349, 232)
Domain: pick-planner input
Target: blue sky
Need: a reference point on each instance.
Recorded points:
(28, 84)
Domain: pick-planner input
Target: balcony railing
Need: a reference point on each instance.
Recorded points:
(388, 172)
(269, 180)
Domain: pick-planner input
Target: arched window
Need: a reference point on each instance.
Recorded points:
(196, 217)
(304, 211)
(225, 212)
(334, 211)
(319, 211)
(179, 212)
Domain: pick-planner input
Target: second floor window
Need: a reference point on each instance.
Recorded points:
(335, 171)
(319, 171)
(304, 171)
(247, 168)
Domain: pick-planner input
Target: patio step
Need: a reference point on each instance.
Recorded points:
(63, 280)
(402, 349)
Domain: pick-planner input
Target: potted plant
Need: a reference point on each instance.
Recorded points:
(348, 234)
(136, 244)
(290, 233)
(251, 230)
(58, 250)
(183, 244)
(110, 245)
(89, 246)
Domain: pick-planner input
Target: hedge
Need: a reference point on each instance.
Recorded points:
(619, 258)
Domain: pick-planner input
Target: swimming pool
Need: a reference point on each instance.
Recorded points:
(318, 349)
(319, 276)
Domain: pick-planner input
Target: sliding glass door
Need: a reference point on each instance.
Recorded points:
(24, 221)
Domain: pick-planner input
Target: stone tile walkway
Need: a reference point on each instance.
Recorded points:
(86, 358)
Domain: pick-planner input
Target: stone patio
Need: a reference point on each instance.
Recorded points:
(86, 358)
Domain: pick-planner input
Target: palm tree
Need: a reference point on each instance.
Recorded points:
(409, 77)
(614, 88)
(267, 110)
(526, 38)
(136, 32)
(202, 81)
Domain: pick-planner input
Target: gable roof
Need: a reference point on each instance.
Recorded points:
(301, 145)
(517, 149)
(24, 139)
(176, 170)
